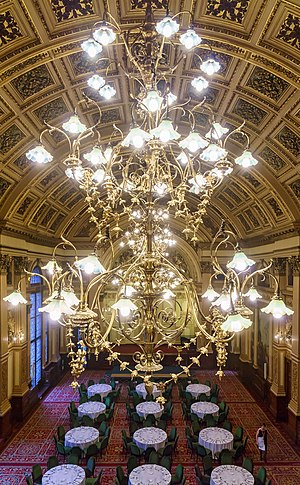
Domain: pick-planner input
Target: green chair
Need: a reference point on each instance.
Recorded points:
(161, 424)
(196, 427)
(248, 465)
(214, 399)
(202, 397)
(132, 463)
(61, 433)
(207, 464)
(226, 457)
(75, 450)
(61, 449)
(90, 467)
(82, 387)
(136, 418)
(73, 407)
(102, 428)
(210, 420)
(227, 425)
(201, 451)
(123, 479)
(262, 474)
(172, 435)
(91, 451)
(52, 462)
(238, 452)
(178, 475)
(37, 474)
(207, 383)
(94, 481)
(29, 480)
(87, 421)
(73, 460)
(166, 451)
(96, 398)
(195, 380)
(91, 382)
(238, 435)
(154, 458)
(201, 479)
(135, 450)
(83, 399)
(103, 445)
(221, 418)
(166, 462)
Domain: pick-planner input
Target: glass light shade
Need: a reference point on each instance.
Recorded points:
(136, 137)
(190, 39)
(210, 294)
(90, 264)
(160, 188)
(39, 154)
(198, 183)
(95, 156)
(213, 153)
(171, 98)
(235, 322)
(75, 173)
(252, 294)
(277, 308)
(96, 82)
(210, 67)
(56, 308)
(152, 101)
(217, 131)
(182, 158)
(193, 142)
(167, 27)
(199, 83)
(68, 295)
(91, 47)
(74, 125)
(52, 267)
(104, 35)
(124, 306)
(99, 175)
(167, 294)
(108, 153)
(15, 298)
(107, 91)
(240, 262)
(223, 301)
(246, 159)
(128, 291)
(165, 131)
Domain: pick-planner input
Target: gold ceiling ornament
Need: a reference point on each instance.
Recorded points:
(133, 184)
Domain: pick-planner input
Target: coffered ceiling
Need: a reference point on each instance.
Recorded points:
(43, 73)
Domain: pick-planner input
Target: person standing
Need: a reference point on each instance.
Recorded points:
(262, 441)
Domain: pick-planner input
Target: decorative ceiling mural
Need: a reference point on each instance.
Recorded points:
(43, 74)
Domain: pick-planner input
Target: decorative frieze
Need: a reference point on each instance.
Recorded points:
(10, 138)
(33, 81)
(289, 140)
(5, 261)
(234, 11)
(66, 10)
(9, 29)
(279, 265)
(267, 83)
(205, 267)
(294, 262)
(20, 263)
(290, 31)
(249, 111)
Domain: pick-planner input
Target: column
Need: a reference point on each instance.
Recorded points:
(5, 407)
(20, 347)
(255, 343)
(277, 352)
(294, 404)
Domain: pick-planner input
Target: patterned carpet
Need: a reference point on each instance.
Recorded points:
(33, 443)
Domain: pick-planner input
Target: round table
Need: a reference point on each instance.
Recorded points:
(231, 475)
(64, 475)
(197, 389)
(145, 408)
(83, 436)
(141, 390)
(202, 408)
(102, 389)
(91, 409)
(150, 437)
(216, 439)
(149, 475)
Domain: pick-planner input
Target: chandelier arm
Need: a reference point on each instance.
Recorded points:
(237, 130)
(30, 273)
(262, 271)
(52, 129)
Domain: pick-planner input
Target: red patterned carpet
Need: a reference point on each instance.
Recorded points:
(33, 443)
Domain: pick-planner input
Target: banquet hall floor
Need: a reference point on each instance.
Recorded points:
(33, 442)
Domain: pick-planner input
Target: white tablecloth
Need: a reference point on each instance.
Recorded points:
(150, 437)
(216, 439)
(102, 389)
(202, 408)
(145, 408)
(149, 475)
(197, 389)
(141, 390)
(91, 409)
(64, 475)
(231, 475)
(83, 436)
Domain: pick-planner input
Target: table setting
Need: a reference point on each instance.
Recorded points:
(149, 475)
(64, 475)
(83, 436)
(216, 439)
(102, 389)
(231, 475)
(141, 390)
(150, 437)
(150, 407)
(203, 408)
(196, 389)
(91, 409)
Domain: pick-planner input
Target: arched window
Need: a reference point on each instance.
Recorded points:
(36, 330)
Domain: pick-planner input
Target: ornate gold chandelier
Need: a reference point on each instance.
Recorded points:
(133, 185)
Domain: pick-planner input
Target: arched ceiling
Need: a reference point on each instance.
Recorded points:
(43, 73)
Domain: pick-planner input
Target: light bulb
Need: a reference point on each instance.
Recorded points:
(210, 67)
(96, 82)
(91, 47)
(167, 27)
(107, 91)
(55, 315)
(104, 35)
(125, 311)
(89, 268)
(39, 155)
(165, 136)
(137, 141)
(190, 39)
